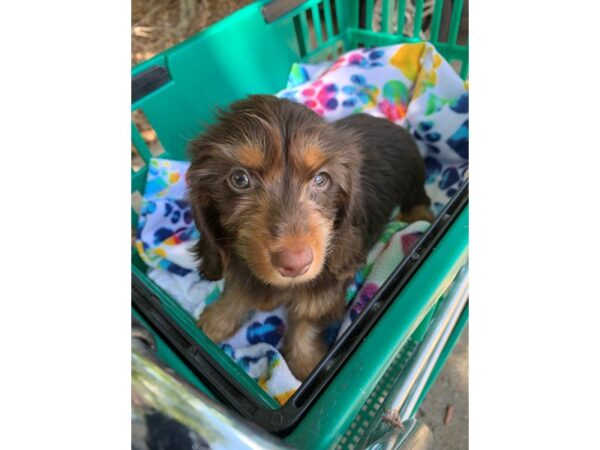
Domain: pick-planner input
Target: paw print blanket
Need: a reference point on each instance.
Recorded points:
(409, 84)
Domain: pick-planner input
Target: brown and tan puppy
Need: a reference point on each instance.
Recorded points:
(288, 206)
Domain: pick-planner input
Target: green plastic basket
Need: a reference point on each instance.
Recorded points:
(247, 53)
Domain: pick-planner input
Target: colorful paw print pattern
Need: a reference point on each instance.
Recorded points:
(409, 84)
(443, 140)
(256, 348)
(396, 242)
(165, 229)
(267, 367)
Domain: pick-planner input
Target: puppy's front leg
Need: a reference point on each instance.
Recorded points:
(222, 319)
(309, 314)
(303, 346)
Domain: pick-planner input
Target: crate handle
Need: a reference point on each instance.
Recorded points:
(278, 8)
(148, 81)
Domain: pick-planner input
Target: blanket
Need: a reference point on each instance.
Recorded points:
(409, 84)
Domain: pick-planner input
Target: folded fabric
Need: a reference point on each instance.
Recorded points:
(164, 232)
(395, 242)
(192, 292)
(409, 84)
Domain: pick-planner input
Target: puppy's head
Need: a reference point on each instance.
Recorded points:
(271, 185)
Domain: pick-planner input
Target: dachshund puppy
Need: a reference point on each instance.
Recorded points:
(288, 206)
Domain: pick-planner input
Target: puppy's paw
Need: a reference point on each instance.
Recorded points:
(216, 323)
(302, 361)
(419, 212)
(301, 370)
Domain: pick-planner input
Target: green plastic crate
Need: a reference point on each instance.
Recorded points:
(242, 55)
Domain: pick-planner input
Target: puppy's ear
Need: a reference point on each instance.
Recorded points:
(347, 242)
(210, 248)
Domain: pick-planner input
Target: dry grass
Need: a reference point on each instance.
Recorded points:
(159, 24)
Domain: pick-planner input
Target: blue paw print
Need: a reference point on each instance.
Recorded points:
(269, 332)
(461, 105)
(459, 141)
(359, 91)
(245, 361)
(426, 134)
(176, 210)
(148, 207)
(161, 234)
(450, 176)
(453, 179)
(432, 169)
(369, 59)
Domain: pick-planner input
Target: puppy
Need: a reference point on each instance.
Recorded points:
(288, 206)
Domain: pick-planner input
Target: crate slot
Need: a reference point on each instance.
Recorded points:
(311, 29)
(136, 201)
(335, 19)
(147, 133)
(137, 162)
(302, 35)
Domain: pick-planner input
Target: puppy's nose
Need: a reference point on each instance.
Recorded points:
(293, 263)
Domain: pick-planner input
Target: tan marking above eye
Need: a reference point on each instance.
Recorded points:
(313, 158)
(251, 157)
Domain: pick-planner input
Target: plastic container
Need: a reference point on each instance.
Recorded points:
(251, 52)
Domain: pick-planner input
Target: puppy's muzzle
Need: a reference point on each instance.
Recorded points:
(292, 263)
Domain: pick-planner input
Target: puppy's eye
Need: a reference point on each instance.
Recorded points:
(239, 179)
(321, 179)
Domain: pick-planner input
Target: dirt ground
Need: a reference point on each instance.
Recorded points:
(159, 24)
(446, 407)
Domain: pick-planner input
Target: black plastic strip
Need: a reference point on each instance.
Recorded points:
(281, 421)
(148, 81)
(198, 360)
(278, 8)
